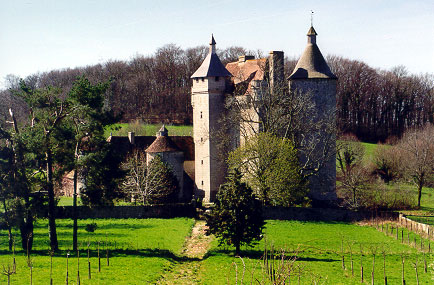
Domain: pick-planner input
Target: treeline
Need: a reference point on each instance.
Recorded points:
(377, 105)
(373, 104)
(152, 88)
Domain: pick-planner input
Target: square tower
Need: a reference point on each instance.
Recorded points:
(207, 99)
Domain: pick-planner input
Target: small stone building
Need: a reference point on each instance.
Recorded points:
(171, 154)
(177, 151)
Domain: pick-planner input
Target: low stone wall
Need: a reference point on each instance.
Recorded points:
(324, 214)
(188, 210)
(411, 225)
(128, 212)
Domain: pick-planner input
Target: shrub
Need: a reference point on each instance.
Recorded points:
(90, 228)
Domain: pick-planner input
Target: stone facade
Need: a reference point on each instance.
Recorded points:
(251, 75)
(207, 100)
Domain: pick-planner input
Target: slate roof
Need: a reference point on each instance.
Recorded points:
(211, 66)
(312, 63)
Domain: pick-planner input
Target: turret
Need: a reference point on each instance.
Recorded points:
(313, 76)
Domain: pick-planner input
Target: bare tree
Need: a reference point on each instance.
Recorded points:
(150, 183)
(269, 106)
(417, 156)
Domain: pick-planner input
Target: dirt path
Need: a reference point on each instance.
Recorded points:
(194, 249)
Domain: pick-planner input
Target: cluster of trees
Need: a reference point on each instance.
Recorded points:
(373, 104)
(377, 105)
(409, 160)
(59, 134)
(152, 88)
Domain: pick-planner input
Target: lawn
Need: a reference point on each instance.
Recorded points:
(319, 255)
(140, 251)
(142, 129)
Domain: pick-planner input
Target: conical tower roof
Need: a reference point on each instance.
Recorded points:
(312, 63)
(162, 143)
(211, 66)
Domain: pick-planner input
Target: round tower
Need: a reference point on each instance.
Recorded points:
(170, 154)
(312, 75)
(207, 99)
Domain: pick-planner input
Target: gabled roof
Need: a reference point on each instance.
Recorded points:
(211, 66)
(252, 69)
(312, 63)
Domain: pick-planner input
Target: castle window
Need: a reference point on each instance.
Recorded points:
(203, 79)
(197, 79)
(201, 139)
(202, 182)
(217, 78)
(201, 114)
(201, 162)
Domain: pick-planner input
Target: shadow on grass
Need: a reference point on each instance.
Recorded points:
(257, 254)
(148, 252)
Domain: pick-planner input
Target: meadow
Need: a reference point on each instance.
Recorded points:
(142, 251)
(141, 129)
(139, 251)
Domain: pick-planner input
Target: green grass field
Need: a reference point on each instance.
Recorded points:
(141, 129)
(140, 250)
(319, 255)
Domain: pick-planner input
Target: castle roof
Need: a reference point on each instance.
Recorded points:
(245, 71)
(163, 143)
(211, 66)
(312, 63)
(251, 69)
(123, 145)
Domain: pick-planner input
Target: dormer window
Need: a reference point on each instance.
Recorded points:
(217, 78)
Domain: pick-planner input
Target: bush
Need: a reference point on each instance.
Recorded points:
(90, 228)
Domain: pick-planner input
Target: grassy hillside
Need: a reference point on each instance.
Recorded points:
(141, 129)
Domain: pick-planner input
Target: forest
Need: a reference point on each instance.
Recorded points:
(374, 104)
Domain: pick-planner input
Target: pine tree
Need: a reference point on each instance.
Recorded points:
(236, 218)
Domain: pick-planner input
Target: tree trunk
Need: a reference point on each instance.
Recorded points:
(237, 248)
(8, 224)
(51, 203)
(74, 213)
(26, 223)
(74, 201)
(419, 194)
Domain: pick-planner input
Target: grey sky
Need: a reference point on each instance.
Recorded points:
(38, 36)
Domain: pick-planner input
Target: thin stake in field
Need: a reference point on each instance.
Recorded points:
(67, 268)
(78, 266)
(89, 275)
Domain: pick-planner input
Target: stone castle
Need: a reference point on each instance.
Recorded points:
(210, 86)
(196, 161)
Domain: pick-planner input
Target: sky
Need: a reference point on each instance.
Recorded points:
(42, 35)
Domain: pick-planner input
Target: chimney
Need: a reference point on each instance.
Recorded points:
(131, 137)
(243, 58)
(276, 68)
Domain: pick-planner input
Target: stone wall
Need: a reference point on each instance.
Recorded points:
(129, 212)
(411, 225)
(324, 214)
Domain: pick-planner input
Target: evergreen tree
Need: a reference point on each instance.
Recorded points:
(236, 218)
